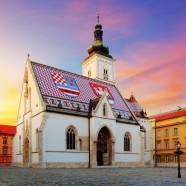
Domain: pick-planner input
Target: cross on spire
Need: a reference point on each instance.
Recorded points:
(98, 17)
(28, 55)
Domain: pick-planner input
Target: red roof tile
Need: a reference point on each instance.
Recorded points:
(6, 129)
(170, 115)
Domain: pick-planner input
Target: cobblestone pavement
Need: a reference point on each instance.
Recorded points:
(97, 176)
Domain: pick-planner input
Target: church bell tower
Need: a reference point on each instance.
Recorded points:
(99, 64)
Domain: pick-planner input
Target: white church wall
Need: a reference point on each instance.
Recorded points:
(105, 63)
(36, 124)
(54, 136)
(17, 154)
(90, 65)
(36, 99)
(33, 101)
(148, 141)
(121, 155)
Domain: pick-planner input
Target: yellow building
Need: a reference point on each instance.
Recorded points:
(168, 129)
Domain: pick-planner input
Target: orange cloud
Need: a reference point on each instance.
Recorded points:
(156, 73)
(9, 99)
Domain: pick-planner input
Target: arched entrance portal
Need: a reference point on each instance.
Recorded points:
(104, 147)
(26, 153)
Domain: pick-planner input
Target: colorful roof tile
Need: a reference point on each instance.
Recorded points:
(64, 89)
(133, 104)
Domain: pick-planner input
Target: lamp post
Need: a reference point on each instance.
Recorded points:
(178, 152)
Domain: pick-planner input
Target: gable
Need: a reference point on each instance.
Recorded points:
(99, 108)
(65, 90)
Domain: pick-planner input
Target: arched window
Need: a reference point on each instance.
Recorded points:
(104, 109)
(89, 73)
(127, 142)
(105, 74)
(70, 138)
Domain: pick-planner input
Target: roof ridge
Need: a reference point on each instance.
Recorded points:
(73, 73)
(167, 112)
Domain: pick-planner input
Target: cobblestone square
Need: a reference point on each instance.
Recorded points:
(13, 176)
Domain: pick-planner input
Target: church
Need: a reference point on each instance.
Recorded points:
(68, 120)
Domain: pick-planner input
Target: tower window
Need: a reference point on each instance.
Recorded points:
(89, 73)
(105, 74)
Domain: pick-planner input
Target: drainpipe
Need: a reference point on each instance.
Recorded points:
(89, 116)
(155, 146)
(89, 140)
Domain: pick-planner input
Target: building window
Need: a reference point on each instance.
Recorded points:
(158, 133)
(175, 144)
(70, 136)
(175, 158)
(4, 141)
(4, 151)
(166, 145)
(127, 142)
(105, 74)
(158, 145)
(4, 160)
(166, 158)
(89, 73)
(158, 159)
(175, 131)
(104, 109)
(166, 132)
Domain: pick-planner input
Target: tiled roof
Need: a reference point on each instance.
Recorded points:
(133, 104)
(6, 129)
(173, 114)
(64, 89)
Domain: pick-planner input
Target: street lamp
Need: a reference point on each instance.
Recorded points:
(178, 152)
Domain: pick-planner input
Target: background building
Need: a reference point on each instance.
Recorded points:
(6, 137)
(168, 129)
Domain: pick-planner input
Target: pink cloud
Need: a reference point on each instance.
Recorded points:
(156, 72)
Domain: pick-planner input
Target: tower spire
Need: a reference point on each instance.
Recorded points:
(98, 45)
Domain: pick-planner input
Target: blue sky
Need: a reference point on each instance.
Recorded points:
(147, 39)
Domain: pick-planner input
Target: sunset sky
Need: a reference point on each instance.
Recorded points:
(146, 37)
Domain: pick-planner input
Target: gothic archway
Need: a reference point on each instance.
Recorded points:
(104, 147)
(26, 153)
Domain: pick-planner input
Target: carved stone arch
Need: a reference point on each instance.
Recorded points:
(105, 146)
(110, 130)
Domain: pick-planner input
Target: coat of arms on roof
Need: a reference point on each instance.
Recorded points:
(100, 89)
(67, 85)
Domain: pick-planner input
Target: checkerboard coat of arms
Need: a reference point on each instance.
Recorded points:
(100, 89)
(67, 85)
